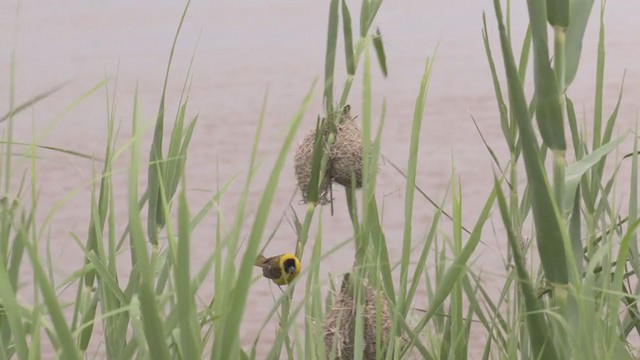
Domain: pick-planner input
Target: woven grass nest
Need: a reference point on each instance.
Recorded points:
(345, 156)
(339, 323)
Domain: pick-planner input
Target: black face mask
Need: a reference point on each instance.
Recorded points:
(290, 266)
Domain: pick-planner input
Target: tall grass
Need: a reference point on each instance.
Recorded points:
(579, 302)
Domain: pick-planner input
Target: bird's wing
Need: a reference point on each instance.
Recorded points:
(271, 272)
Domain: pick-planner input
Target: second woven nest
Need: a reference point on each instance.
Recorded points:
(340, 322)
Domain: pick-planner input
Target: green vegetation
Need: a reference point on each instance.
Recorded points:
(569, 292)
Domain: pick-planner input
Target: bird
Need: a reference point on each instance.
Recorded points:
(282, 269)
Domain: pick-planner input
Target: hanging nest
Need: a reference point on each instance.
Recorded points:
(345, 155)
(339, 323)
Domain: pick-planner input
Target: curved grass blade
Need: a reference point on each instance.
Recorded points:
(318, 153)
(225, 266)
(421, 192)
(633, 197)
(507, 129)
(575, 171)
(580, 11)
(575, 133)
(486, 145)
(524, 55)
(314, 343)
(12, 312)
(96, 228)
(539, 334)
(227, 338)
(56, 149)
(455, 271)
(379, 242)
(106, 277)
(597, 106)
(151, 323)
(191, 349)
(34, 100)
(17, 250)
(368, 12)
(422, 261)
(548, 109)
(549, 229)
(206, 208)
(330, 59)
(348, 39)
(575, 231)
(156, 169)
(411, 178)
(382, 58)
(620, 269)
(280, 338)
(606, 137)
(62, 331)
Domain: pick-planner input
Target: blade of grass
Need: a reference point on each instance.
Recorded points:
(57, 149)
(597, 111)
(606, 137)
(421, 192)
(348, 39)
(420, 265)
(524, 55)
(313, 188)
(152, 325)
(314, 344)
(633, 195)
(330, 59)
(548, 109)
(579, 13)
(226, 341)
(50, 299)
(455, 306)
(507, 129)
(455, 271)
(191, 349)
(549, 228)
(34, 100)
(411, 180)
(382, 58)
(576, 170)
(155, 213)
(539, 334)
(225, 270)
(12, 312)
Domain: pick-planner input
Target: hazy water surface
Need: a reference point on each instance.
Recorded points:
(244, 49)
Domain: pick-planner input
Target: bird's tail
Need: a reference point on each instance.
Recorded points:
(260, 260)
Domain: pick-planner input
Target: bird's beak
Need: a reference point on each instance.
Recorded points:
(291, 269)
